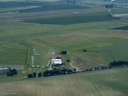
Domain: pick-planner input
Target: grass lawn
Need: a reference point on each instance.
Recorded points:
(115, 52)
(13, 54)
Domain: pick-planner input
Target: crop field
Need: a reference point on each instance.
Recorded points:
(73, 19)
(95, 2)
(112, 82)
(3, 10)
(122, 28)
(55, 7)
(118, 11)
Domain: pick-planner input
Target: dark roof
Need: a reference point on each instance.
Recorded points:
(63, 52)
(58, 58)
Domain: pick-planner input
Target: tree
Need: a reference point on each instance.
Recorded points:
(29, 75)
(34, 74)
(14, 71)
(84, 50)
(39, 74)
(105, 67)
(102, 67)
(118, 63)
(7, 73)
(11, 72)
(95, 68)
(68, 60)
(46, 72)
(63, 71)
(69, 71)
(51, 72)
(57, 71)
(63, 52)
(74, 70)
(90, 69)
(109, 6)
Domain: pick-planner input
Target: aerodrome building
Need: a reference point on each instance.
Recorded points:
(4, 70)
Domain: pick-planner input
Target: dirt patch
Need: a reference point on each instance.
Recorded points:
(23, 71)
(71, 64)
(86, 59)
(30, 69)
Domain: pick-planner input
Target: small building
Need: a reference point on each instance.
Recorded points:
(4, 70)
(58, 56)
(56, 61)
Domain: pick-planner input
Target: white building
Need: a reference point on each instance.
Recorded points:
(4, 70)
(56, 61)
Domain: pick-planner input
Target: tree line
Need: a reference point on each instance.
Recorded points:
(12, 72)
(98, 68)
(57, 71)
(111, 65)
(118, 63)
(108, 6)
(53, 72)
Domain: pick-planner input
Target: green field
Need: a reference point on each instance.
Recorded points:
(59, 28)
(73, 19)
(122, 1)
(118, 11)
(56, 26)
(122, 28)
(13, 54)
(115, 52)
(112, 82)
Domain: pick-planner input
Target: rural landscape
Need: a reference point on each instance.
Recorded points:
(63, 47)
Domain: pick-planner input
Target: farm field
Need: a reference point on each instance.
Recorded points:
(31, 30)
(71, 28)
(112, 82)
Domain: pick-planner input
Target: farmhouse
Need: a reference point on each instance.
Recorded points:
(56, 61)
(4, 70)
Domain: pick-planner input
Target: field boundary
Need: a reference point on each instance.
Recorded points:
(27, 60)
